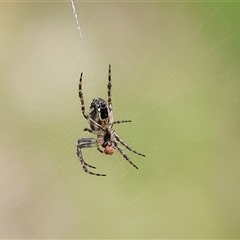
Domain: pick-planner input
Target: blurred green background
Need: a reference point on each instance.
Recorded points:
(175, 74)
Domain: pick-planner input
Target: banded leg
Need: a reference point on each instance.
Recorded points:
(125, 156)
(127, 147)
(80, 94)
(122, 121)
(109, 86)
(89, 130)
(86, 143)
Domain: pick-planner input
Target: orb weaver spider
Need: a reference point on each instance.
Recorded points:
(100, 119)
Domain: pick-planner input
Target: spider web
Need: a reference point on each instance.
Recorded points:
(175, 74)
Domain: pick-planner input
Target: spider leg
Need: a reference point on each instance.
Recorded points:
(122, 121)
(109, 86)
(86, 143)
(80, 94)
(127, 147)
(101, 151)
(125, 156)
(87, 130)
(95, 124)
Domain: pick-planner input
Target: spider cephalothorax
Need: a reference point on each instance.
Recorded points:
(100, 113)
(100, 119)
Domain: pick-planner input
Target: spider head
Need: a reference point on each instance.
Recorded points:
(100, 112)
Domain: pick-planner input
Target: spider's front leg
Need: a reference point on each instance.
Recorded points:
(86, 143)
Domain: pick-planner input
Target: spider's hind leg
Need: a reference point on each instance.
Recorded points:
(128, 147)
(125, 156)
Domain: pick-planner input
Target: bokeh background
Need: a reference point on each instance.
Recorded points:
(175, 74)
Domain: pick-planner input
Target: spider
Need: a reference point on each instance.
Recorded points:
(100, 119)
